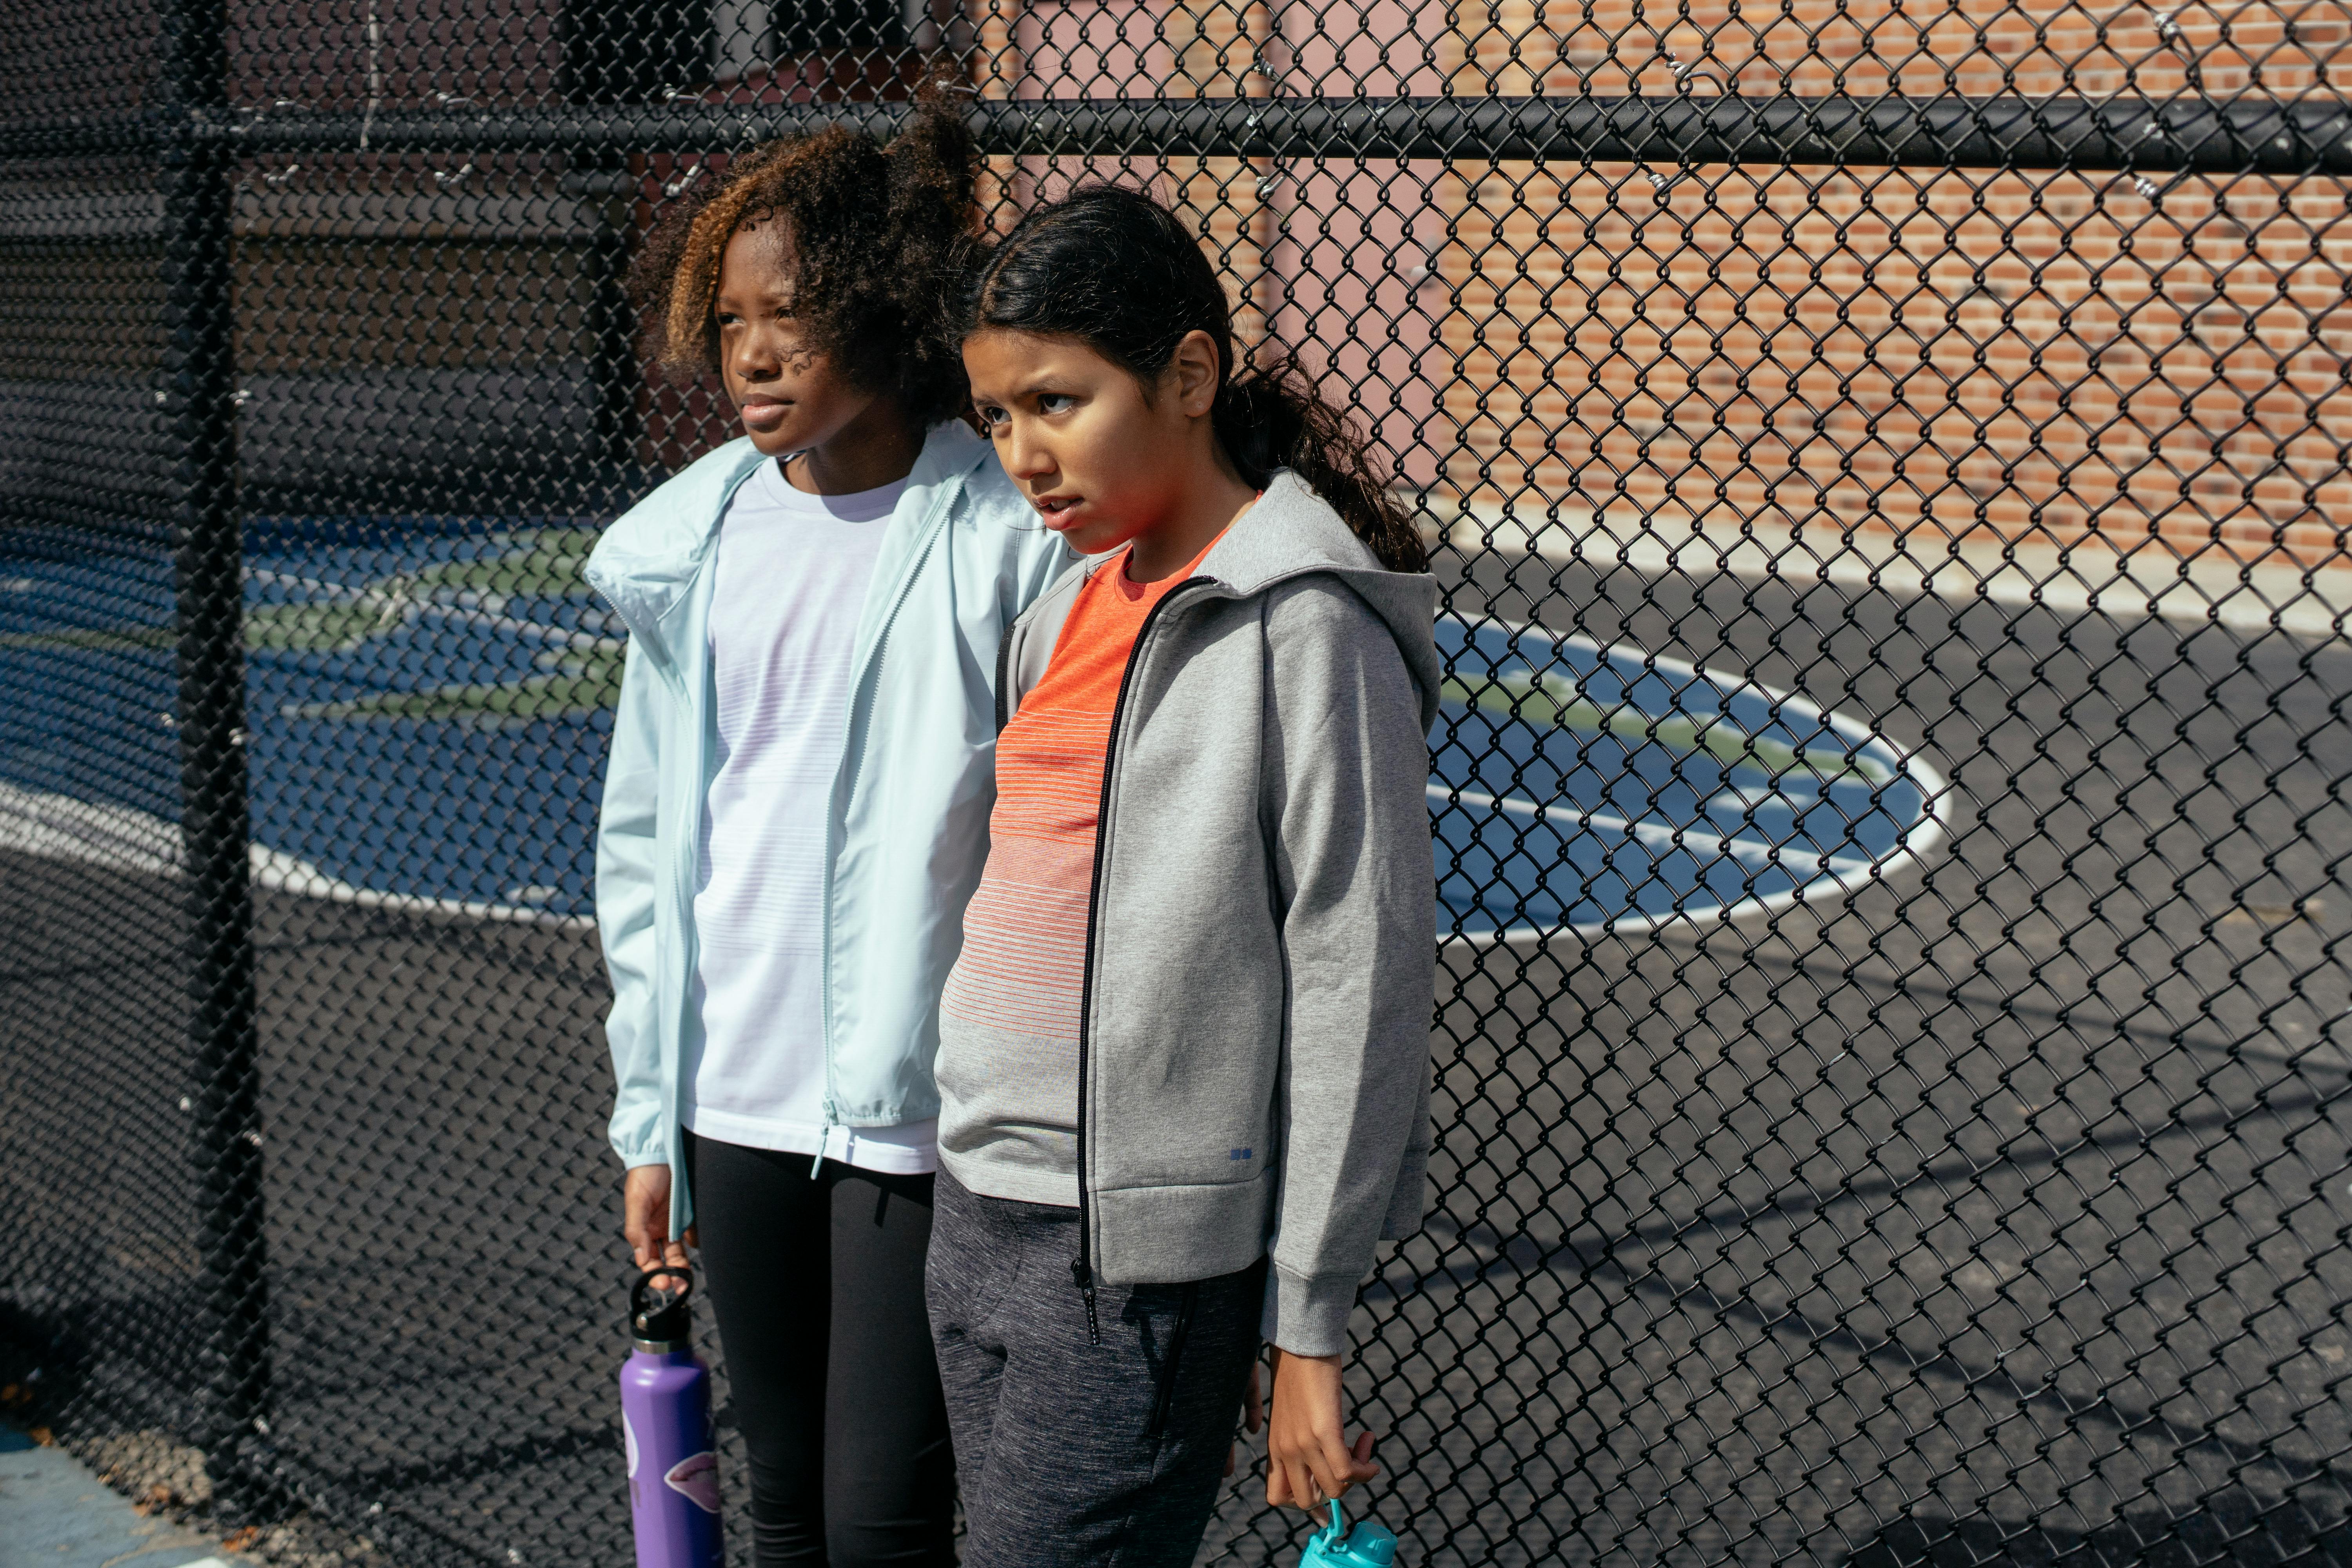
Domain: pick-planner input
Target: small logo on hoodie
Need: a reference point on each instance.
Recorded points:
(1238, 1154)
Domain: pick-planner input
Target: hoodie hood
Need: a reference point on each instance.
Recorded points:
(1292, 531)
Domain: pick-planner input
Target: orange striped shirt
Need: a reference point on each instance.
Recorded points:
(1009, 1017)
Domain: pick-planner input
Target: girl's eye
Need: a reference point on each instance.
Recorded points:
(991, 415)
(1054, 402)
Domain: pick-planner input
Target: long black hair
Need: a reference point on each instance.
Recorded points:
(1114, 269)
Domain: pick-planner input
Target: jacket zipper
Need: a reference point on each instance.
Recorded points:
(1004, 673)
(1082, 1267)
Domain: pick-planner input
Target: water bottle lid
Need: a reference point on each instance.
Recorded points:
(658, 1318)
(1373, 1544)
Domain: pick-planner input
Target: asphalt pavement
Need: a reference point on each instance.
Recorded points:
(1993, 1212)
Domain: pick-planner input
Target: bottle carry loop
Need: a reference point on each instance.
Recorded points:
(659, 1318)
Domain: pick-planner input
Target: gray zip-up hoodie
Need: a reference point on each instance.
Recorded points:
(1254, 1057)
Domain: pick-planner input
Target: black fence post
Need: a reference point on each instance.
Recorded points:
(604, 184)
(617, 52)
(197, 399)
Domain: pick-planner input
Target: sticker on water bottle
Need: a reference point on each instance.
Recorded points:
(695, 1477)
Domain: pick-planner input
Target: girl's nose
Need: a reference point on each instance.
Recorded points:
(1027, 459)
(756, 359)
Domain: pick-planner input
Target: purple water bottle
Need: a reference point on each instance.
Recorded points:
(665, 1427)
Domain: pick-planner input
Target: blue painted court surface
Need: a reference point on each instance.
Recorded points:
(1577, 786)
(429, 709)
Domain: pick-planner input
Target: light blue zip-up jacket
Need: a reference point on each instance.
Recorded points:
(964, 555)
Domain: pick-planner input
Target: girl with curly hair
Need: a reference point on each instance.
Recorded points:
(796, 806)
(1184, 1062)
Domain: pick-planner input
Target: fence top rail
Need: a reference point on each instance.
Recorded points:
(2248, 134)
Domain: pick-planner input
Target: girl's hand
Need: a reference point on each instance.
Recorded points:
(1309, 1460)
(1253, 1418)
(644, 1219)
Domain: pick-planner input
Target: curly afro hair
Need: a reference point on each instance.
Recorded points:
(880, 236)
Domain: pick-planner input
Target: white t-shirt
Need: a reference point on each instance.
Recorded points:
(793, 570)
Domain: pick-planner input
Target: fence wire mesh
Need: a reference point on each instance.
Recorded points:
(1886, 468)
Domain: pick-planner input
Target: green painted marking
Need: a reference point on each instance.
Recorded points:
(1522, 695)
(272, 627)
(541, 562)
(546, 561)
(93, 639)
(582, 686)
(337, 627)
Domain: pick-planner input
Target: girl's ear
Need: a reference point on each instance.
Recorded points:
(1194, 366)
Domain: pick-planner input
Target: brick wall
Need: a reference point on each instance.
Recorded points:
(2022, 352)
(1731, 347)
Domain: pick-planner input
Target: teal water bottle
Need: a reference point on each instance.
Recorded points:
(1370, 1546)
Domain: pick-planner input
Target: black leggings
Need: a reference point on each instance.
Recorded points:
(817, 1282)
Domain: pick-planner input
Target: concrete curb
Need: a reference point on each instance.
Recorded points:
(55, 1513)
(2242, 588)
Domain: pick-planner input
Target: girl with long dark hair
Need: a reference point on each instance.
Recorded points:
(1184, 1053)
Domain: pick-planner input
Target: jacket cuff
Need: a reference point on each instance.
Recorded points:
(640, 1149)
(1307, 1314)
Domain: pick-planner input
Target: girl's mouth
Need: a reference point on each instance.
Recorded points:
(763, 412)
(1055, 507)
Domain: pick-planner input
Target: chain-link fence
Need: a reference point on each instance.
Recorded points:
(1886, 466)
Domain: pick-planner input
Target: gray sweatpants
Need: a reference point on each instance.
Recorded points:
(1071, 1454)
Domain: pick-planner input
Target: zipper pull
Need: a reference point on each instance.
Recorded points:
(823, 1137)
(1085, 1281)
